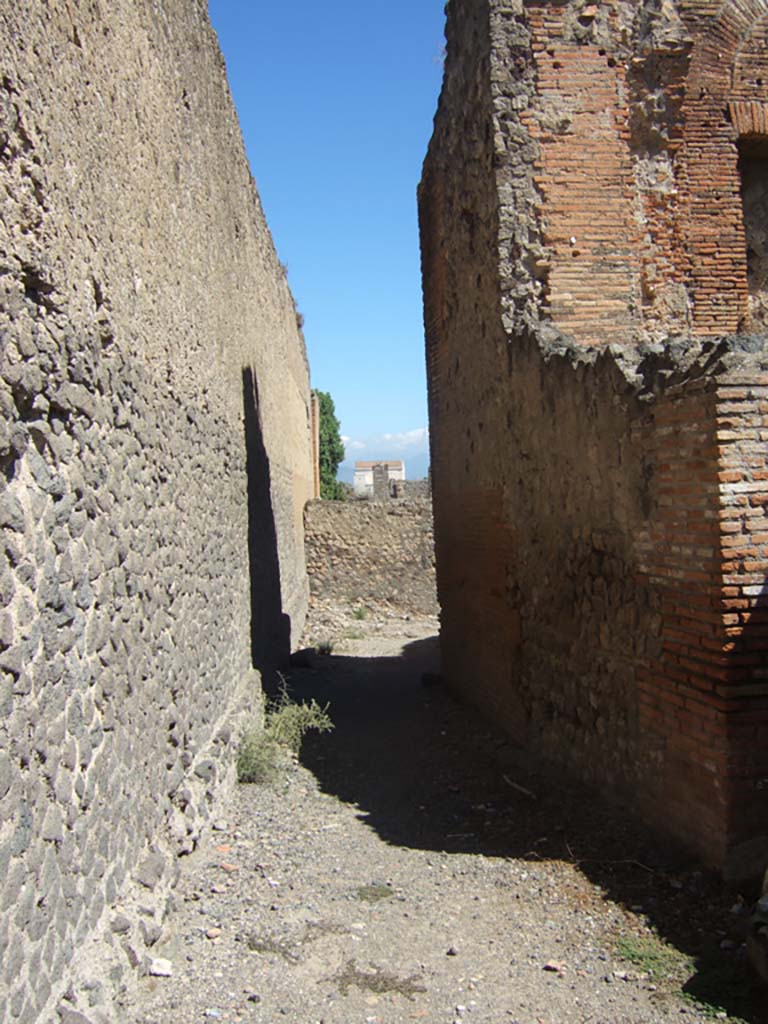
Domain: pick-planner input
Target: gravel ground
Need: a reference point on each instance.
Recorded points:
(414, 867)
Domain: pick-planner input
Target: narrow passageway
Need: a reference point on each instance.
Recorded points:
(414, 867)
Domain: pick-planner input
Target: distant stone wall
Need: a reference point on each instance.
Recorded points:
(154, 463)
(373, 555)
(418, 488)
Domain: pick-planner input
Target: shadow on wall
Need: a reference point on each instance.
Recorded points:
(270, 627)
(428, 772)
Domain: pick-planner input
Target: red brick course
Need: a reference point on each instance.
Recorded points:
(602, 519)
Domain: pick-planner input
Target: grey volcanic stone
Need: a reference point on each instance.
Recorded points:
(5, 773)
(11, 512)
(150, 871)
(145, 320)
(75, 398)
(205, 770)
(68, 1016)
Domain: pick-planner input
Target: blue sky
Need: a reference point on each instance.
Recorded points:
(336, 103)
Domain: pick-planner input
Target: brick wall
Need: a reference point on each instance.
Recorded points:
(636, 172)
(596, 425)
(742, 430)
(587, 214)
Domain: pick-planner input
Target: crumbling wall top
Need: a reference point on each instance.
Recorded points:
(628, 184)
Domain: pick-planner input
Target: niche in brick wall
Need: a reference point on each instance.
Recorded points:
(753, 168)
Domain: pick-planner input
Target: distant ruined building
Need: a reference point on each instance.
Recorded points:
(379, 479)
(155, 458)
(594, 223)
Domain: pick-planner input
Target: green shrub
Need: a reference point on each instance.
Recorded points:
(259, 757)
(264, 750)
(287, 722)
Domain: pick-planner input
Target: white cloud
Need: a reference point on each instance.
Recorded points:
(405, 444)
(416, 440)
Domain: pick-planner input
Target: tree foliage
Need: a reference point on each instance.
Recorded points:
(331, 448)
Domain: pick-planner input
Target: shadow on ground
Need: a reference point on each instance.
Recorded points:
(428, 772)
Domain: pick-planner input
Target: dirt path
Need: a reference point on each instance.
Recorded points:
(413, 868)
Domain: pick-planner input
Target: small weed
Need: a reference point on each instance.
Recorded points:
(324, 647)
(270, 944)
(713, 985)
(654, 957)
(354, 634)
(317, 929)
(259, 757)
(264, 750)
(374, 892)
(360, 613)
(713, 1010)
(287, 722)
(377, 980)
(286, 948)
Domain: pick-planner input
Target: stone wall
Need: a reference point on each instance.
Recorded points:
(597, 431)
(418, 488)
(376, 556)
(155, 458)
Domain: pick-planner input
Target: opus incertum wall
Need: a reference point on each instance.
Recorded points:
(594, 219)
(377, 555)
(155, 457)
